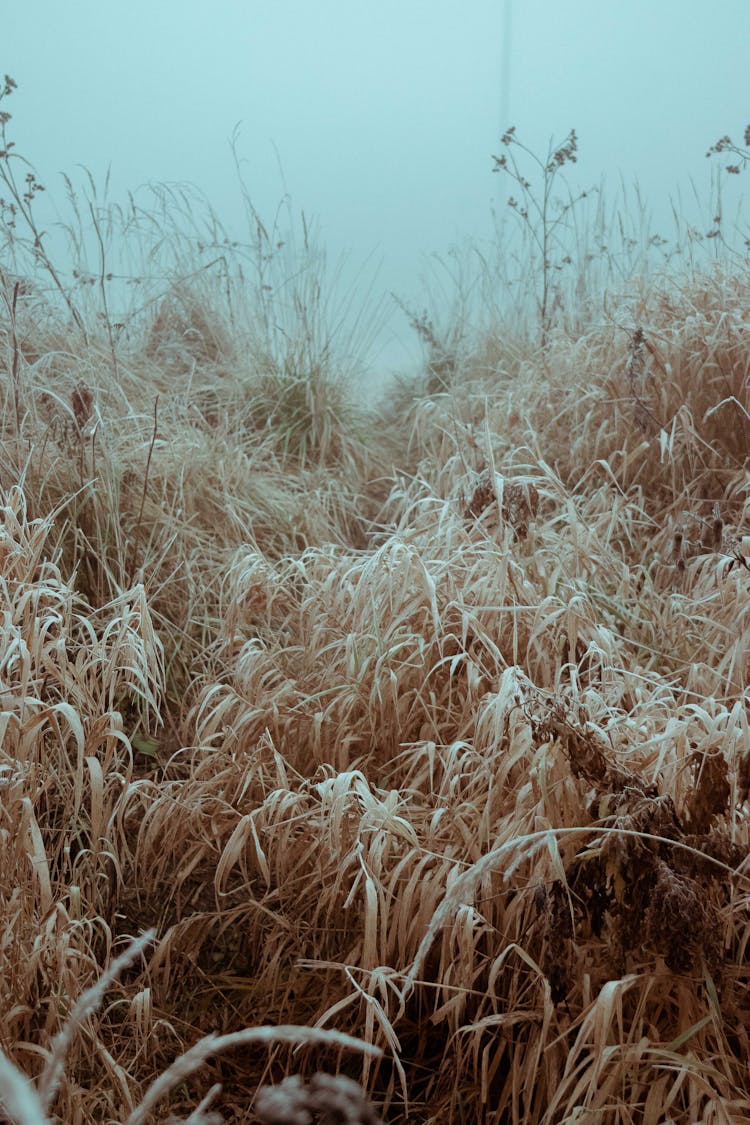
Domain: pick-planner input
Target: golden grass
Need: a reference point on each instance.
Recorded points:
(417, 747)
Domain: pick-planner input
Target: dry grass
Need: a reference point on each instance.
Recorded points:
(416, 750)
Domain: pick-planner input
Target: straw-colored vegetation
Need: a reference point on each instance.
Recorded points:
(405, 753)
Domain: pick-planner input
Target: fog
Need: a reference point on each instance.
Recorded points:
(379, 120)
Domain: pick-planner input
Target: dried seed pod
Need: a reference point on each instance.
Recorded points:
(678, 543)
(82, 402)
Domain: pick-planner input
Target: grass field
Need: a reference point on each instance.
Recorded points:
(405, 744)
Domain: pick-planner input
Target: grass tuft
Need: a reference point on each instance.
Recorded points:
(413, 739)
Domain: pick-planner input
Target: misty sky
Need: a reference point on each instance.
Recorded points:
(379, 119)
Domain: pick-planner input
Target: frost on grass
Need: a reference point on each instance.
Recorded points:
(421, 744)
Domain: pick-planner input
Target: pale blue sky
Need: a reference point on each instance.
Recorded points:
(384, 115)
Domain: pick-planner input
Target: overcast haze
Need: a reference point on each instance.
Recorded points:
(379, 119)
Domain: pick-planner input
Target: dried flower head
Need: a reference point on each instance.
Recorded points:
(330, 1099)
(82, 402)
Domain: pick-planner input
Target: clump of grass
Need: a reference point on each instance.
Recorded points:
(30, 1104)
(437, 810)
